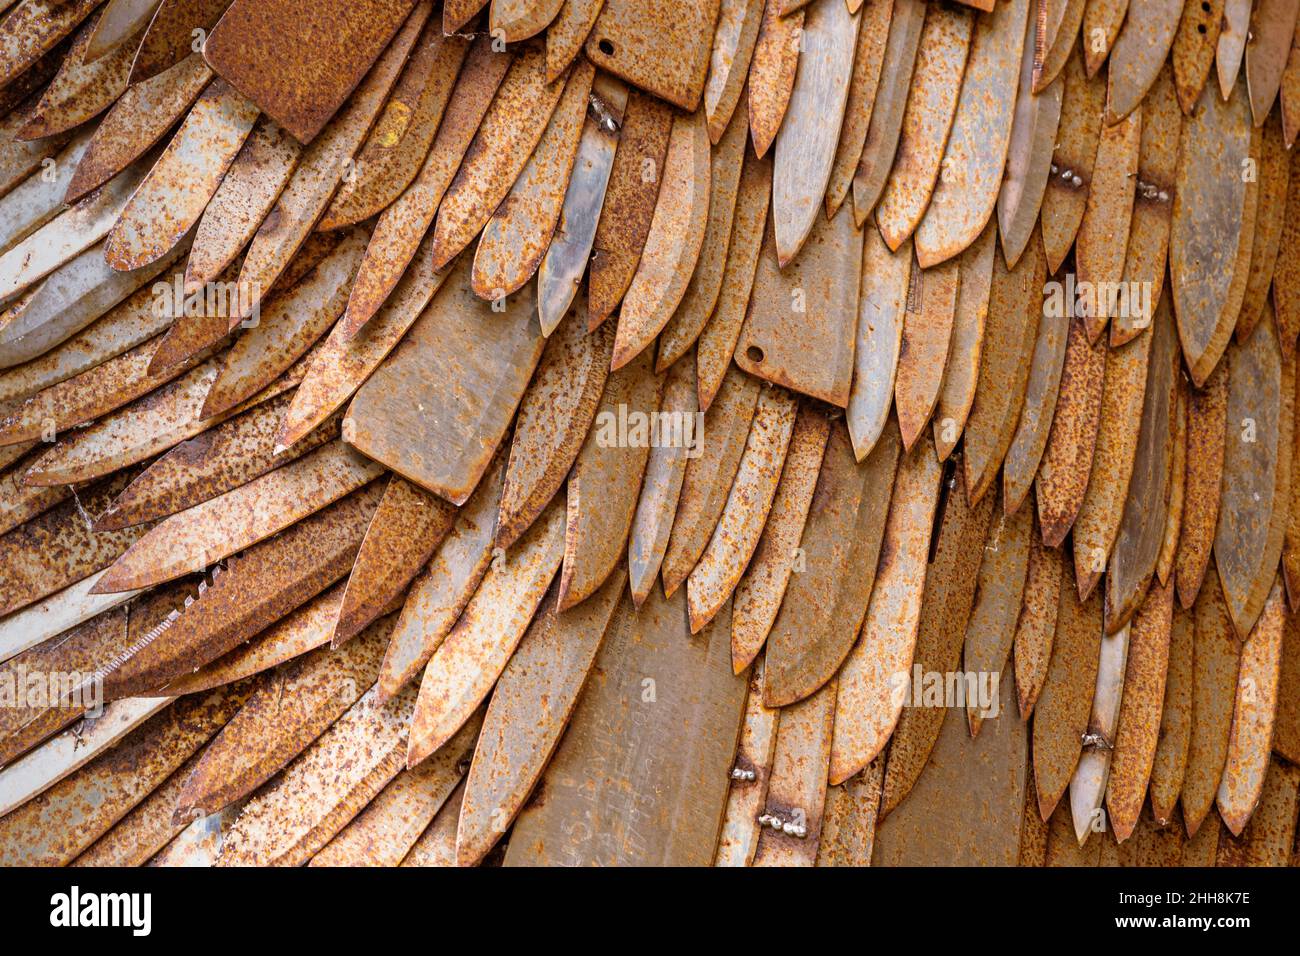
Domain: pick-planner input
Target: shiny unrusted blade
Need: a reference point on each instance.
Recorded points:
(399, 142)
(1036, 626)
(442, 590)
(1015, 312)
(1170, 759)
(33, 29)
(887, 109)
(319, 59)
(629, 203)
(1061, 714)
(883, 305)
(1216, 661)
(719, 568)
(662, 47)
(1207, 422)
(1102, 239)
(1256, 491)
(931, 105)
(696, 306)
(1000, 587)
(733, 46)
(1113, 460)
(1233, 36)
(286, 823)
(136, 122)
(801, 328)
(1177, 484)
(1251, 734)
(55, 614)
(738, 840)
(673, 243)
(1269, 838)
(1193, 50)
(1070, 173)
(60, 547)
(967, 807)
(945, 610)
(806, 141)
(428, 413)
(554, 416)
(661, 489)
(796, 793)
(519, 232)
(772, 73)
(976, 150)
(1274, 173)
(1286, 722)
(240, 518)
(408, 525)
(551, 663)
(75, 812)
(923, 352)
(1091, 774)
(1213, 228)
(868, 705)
(1034, 123)
(83, 88)
(289, 709)
(510, 130)
(1101, 23)
(759, 594)
(1067, 461)
(606, 479)
(683, 723)
(1141, 529)
(174, 194)
(1138, 55)
(717, 342)
(864, 81)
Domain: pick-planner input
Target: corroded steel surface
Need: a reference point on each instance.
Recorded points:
(923, 352)
(1138, 54)
(772, 73)
(170, 35)
(738, 840)
(567, 32)
(1070, 172)
(1101, 24)
(661, 47)
(733, 48)
(1036, 626)
(883, 303)
(84, 86)
(1272, 25)
(1193, 50)
(1274, 176)
(1102, 239)
(1170, 760)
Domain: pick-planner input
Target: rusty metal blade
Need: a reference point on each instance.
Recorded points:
(717, 342)
(772, 73)
(673, 244)
(662, 47)
(1138, 54)
(437, 844)
(931, 106)
(1193, 49)
(170, 36)
(883, 302)
(442, 590)
(801, 328)
(696, 306)
(1036, 626)
(1170, 759)
(39, 198)
(849, 819)
(1067, 460)
(1272, 27)
(120, 21)
(319, 793)
(1269, 839)
(82, 89)
(976, 151)
(736, 534)
(399, 142)
(199, 844)
(1271, 206)
(923, 352)
(1015, 313)
(518, 20)
(945, 610)
(1177, 484)
(685, 739)
(1289, 94)
(551, 663)
(1091, 774)
(456, 14)
(1286, 275)
(868, 706)
(796, 792)
(417, 401)
(20, 502)
(1101, 23)
(136, 122)
(733, 48)
(566, 34)
(1061, 714)
(1070, 173)
(629, 203)
(289, 710)
(519, 232)
(1102, 239)
(1033, 830)
(1207, 420)
(19, 158)
(55, 614)
(759, 594)
(320, 59)
(1286, 722)
(709, 474)
(887, 110)
(656, 508)
(511, 128)
(408, 525)
(34, 28)
(738, 840)
(1056, 27)
(864, 82)
(1216, 661)
(174, 194)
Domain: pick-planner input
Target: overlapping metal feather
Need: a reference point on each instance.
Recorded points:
(570, 432)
